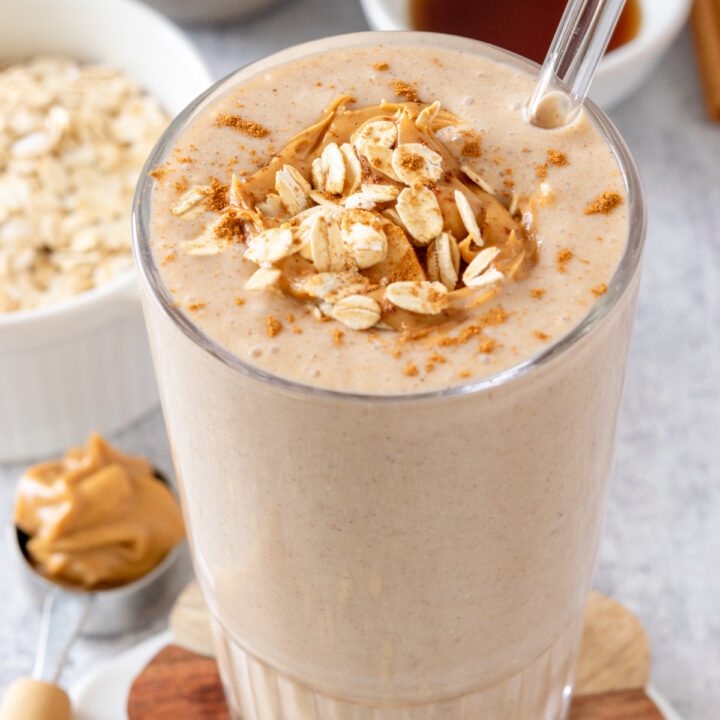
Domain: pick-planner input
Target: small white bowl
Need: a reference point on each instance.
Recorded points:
(621, 71)
(84, 364)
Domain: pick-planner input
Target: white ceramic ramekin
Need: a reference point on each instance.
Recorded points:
(621, 72)
(84, 364)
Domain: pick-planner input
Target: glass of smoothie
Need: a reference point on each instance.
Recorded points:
(390, 321)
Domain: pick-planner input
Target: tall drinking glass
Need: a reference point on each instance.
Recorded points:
(377, 557)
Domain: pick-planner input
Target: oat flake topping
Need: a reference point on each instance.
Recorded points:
(371, 219)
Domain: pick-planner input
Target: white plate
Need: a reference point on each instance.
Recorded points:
(102, 693)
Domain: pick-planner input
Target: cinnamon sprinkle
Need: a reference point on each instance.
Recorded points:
(494, 316)
(273, 326)
(537, 293)
(405, 89)
(410, 370)
(563, 257)
(381, 66)
(604, 203)
(490, 318)
(471, 148)
(216, 199)
(601, 289)
(338, 336)
(247, 127)
(158, 172)
(486, 345)
(541, 335)
(412, 162)
(230, 227)
(555, 157)
(239, 301)
(464, 336)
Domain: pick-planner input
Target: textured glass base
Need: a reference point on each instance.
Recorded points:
(541, 691)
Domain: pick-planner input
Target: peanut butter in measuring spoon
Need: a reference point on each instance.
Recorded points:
(96, 518)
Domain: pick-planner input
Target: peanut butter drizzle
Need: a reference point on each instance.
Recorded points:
(339, 124)
(96, 518)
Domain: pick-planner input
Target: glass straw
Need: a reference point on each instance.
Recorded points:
(572, 60)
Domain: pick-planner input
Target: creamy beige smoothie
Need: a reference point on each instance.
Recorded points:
(390, 321)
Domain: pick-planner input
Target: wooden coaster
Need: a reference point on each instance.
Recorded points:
(182, 682)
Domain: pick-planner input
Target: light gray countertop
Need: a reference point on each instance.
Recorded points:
(660, 554)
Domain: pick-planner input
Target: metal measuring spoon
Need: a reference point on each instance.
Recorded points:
(68, 612)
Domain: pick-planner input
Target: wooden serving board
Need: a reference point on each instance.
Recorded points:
(182, 682)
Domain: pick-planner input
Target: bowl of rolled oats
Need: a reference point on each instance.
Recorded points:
(84, 102)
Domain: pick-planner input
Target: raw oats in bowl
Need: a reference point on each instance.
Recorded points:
(86, 93)
(73, 138)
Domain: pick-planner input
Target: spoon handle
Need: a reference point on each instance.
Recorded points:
(39, 698)
(63, 616)
(572, 60)
(28, 699)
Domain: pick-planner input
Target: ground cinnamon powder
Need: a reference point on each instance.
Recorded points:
(230, 227)
(563, 257)
(247, 127)
(486, 345)
(604, 203)
(412, 162)
(217, 198)
(405, 89)
(490, 318)
(494, 316)
(471, 148)
(273, 326)
(555, 157)
(158, 172)
(410, 370)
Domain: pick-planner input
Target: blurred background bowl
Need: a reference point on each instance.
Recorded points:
(84, 364)
(209, 11)
(621, 71)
